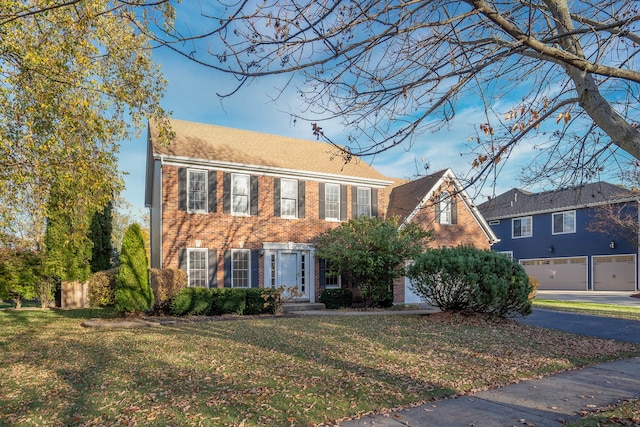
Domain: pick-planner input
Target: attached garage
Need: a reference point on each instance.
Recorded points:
(614, 273)
(558, 274)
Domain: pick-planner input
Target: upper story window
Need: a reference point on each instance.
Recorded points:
(444, 203)
(240, 268)
(197, 269)
(363, 201)
(197, 190)
(240, 189)
(332, 202)
(289, 198)
(564, 222)
(522, 227)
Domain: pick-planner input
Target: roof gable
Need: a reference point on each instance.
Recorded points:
(406, 200)
(210, 143)
(516, 202)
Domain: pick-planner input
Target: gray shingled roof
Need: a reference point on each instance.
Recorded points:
(517, 202)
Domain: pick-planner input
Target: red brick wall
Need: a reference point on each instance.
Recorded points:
(465, 232)
(220, 231)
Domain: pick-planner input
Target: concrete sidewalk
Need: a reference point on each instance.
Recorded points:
(549, 401)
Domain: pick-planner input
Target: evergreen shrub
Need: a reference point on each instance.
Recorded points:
(192, 301)
(102, 288)
(228, 301)
(469, 279)
(336, 298)
(166, 284)
(133, 291)
(262, 301)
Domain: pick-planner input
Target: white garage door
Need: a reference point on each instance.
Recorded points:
(558, 273)
(614, 273)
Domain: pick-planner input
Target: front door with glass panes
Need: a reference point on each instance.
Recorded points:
(289, 269)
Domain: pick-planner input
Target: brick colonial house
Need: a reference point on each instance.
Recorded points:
(236, 208)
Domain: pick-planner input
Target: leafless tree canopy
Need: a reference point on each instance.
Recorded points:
(393, 70)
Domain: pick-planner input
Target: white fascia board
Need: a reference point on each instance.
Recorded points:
(274, 171)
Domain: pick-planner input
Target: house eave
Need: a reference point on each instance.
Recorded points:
(271, 171)
(563, 208)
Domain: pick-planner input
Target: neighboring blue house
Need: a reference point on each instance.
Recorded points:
(559, 239)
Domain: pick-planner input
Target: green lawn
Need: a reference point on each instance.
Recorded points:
(270, 371)
(609, 310)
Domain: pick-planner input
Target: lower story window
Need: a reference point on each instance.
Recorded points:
(197, 267)
(240, 268)
(330, 281)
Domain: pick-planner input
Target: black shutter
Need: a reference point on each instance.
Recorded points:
(213, 268)
(213, 193)
(343, 202)
(374, 202)
(354, 202)
(254, 195)
(322, 273)
(255, 267)
(438, 209)
(301, 200)
(321, 200)
(182, 189)
(227, 269)
(454, 210)
(276, 197)
(226, 193)
(182, 259)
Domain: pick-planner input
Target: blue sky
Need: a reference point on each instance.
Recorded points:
(192, 95)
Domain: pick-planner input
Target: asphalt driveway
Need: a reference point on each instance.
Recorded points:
(595, 326)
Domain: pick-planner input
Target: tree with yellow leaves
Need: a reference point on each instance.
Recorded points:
(76, 77)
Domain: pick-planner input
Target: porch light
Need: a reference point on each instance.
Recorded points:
(550, 249)
(612, 244)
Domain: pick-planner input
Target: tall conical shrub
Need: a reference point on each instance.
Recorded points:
(133, 289)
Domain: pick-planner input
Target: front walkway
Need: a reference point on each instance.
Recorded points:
(549, 401)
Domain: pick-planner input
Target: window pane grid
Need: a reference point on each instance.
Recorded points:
(445, 208)
(197, 268)
(288, 198)
(197, 191)
(363, 202)
(332, 201)
(240, 269)
(240, 194)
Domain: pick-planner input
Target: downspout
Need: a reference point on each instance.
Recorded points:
(161, 213)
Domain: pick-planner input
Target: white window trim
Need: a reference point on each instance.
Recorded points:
(248, 252)
(368, 190)
(519, 219)
(233, 211)
(553, 231)
(206, 190)
(444, 202)
(295, 215)
(206, 266)
(327, 185)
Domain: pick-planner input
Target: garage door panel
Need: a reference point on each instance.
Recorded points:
(558, 273)
(614, 273)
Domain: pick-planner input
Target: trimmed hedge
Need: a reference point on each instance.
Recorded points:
(192, 301)
(262, 301)
(166, 284)
(102, 288)
(468, 279)
(336, 298)
(218, 301)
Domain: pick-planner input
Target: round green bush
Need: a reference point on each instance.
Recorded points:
(469, 279)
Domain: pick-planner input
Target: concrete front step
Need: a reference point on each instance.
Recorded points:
(303, 306)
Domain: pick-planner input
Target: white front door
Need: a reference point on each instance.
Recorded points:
(292, 273)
